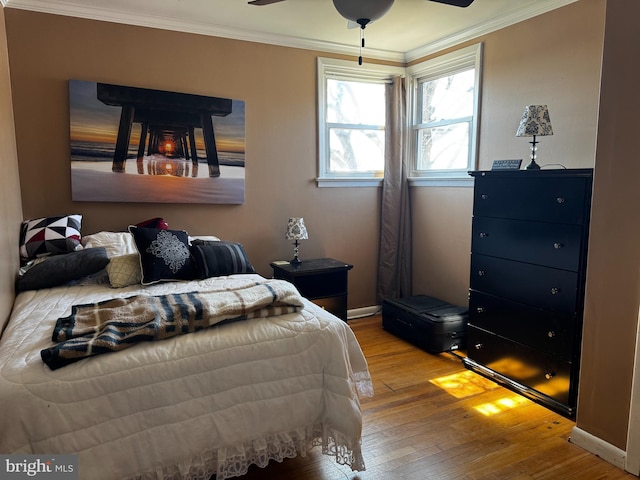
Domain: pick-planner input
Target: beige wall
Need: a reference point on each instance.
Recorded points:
(563, 71)
(442, 242)
(278, 86)
(10, 206)
(553, 59)
(613, 283)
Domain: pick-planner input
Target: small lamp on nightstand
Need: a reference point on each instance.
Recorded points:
(534, 122)
(296, 230)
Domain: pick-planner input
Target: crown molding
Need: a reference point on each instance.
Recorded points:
(61, 7)
(485, 28)
(106, 14)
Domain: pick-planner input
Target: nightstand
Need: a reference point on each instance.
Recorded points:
(321, 280)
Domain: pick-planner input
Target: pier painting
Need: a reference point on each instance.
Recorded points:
(131, 144)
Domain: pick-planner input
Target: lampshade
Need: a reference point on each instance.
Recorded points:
(535, 122)
(362, 11)
(296, 229)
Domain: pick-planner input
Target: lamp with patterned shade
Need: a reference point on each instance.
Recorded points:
(296, 230)
(534, 122)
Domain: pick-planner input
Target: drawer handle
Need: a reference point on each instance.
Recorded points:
(555, 291)
(481, 273)
(484, 196)
(551, 334)
(549, 375)
(558, 245)
(483, 235)
(480, 309)
(479, 346)
(560, 200)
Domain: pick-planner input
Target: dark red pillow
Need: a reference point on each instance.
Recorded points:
(157, 222)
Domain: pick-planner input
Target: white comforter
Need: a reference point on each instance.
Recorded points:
(210, 402)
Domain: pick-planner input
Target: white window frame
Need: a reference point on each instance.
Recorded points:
(450, 63)
(344, 70)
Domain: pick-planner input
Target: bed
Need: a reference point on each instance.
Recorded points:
(208, 402)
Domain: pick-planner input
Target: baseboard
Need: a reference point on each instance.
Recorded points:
(598, 447)
(363, 312)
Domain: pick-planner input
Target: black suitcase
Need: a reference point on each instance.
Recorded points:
(431, 324)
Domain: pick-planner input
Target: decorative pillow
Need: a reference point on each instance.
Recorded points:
(116, 243)
(157, 222)
(50, 236)
(220, 258)
(60, 269)
(202, 238)
(124, 270)
(101, 277)
(164, 254)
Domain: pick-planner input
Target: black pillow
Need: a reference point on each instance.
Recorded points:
(164, 254)
(214, 259)
(200, 241)
(60, 269)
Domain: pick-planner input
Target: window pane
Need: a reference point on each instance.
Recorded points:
(356, 103)
(448, 97)
(356, 150)
(443, 148)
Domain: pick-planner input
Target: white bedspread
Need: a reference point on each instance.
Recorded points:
(210, 402)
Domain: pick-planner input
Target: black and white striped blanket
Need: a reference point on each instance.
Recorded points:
(118, 323)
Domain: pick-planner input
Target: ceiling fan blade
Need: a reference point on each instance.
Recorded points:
(263, 2)
(456, 3)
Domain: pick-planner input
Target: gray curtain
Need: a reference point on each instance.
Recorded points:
(394, 258)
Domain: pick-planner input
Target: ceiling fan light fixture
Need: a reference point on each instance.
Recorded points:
(362, 11)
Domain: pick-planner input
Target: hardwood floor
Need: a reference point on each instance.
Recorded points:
(430, 418)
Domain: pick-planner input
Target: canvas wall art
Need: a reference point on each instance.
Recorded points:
(131, 144)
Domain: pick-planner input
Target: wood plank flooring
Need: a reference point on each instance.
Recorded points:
(431, 419)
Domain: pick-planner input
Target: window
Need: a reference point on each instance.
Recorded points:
(352, 117)
(355, 120)
(444, 102)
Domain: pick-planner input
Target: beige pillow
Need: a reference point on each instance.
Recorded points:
(124, 270)
(116, 243)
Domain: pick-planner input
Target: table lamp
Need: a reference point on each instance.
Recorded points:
(534, 122)
(296, 230)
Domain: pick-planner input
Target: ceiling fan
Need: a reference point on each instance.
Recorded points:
(456, 3)
(363, 12)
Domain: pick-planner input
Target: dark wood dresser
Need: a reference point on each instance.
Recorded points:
(526, 298)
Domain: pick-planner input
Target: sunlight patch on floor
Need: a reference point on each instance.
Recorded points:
(500, 405)
(464, 384)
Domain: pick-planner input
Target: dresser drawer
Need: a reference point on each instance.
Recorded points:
(551, 333)
(542, 287)
(543, 243)
(544, 373)
(553, 199)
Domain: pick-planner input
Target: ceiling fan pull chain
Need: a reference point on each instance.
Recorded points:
(361, 45)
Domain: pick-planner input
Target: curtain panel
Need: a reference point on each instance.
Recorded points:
(395, 251)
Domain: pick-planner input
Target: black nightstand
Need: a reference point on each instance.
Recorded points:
(321, 280)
